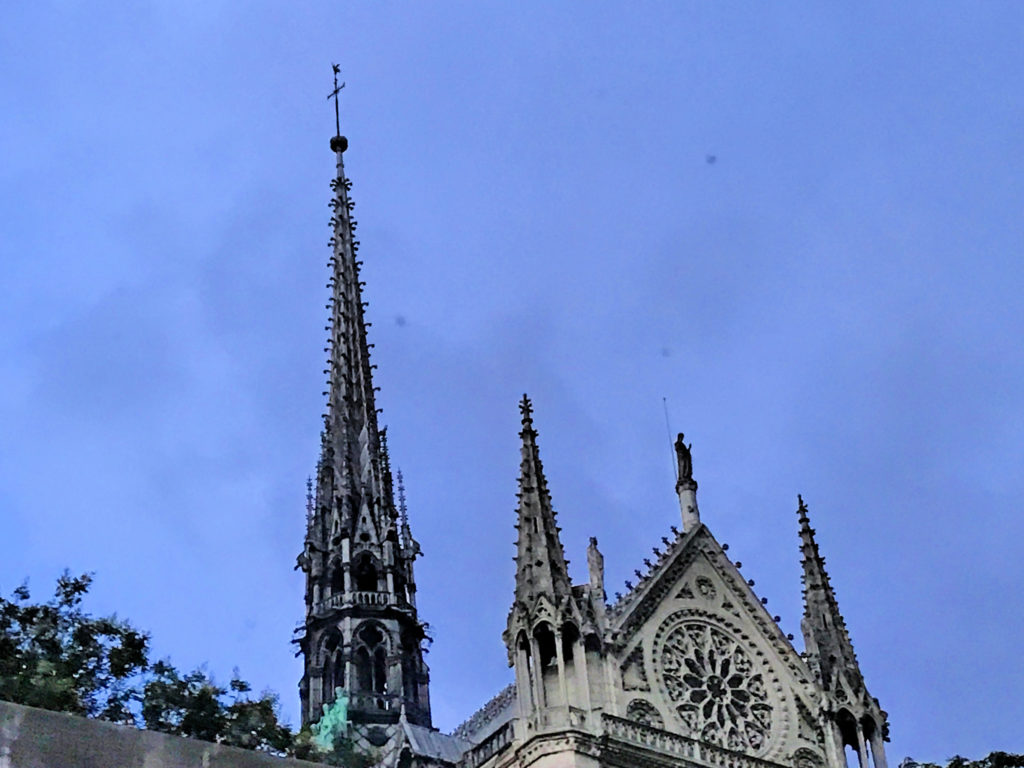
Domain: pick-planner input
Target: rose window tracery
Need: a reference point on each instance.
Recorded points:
(717, 692)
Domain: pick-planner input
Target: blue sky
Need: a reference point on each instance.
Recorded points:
(832, 307)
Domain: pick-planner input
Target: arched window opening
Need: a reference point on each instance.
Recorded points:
(339, 671)
(330, 660)
(337, 580)
(570, 635)
(550, 689)
(364, 676)
(370, 660)
(364, 573)
(545, 645)
(327, 682)
(379, 670)
(867, 727)
(848, 733)
(400, 587)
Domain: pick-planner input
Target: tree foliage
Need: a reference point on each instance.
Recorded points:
(993, 760)
(55, 656)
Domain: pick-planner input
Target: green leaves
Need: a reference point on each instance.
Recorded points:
(56, 656)
(195, 706)
(994, 760)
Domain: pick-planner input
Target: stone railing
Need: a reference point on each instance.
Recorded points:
(651, 738)
(364, 701)
(678, 746)
(492, 745)
(342, 599)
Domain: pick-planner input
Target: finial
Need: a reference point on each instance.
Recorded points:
(338, 143)
(526, 409)
(385, 457)
(309, 504)
(802, 510)
(401, 499)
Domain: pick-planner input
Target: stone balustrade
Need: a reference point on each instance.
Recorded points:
(678, 746)
(342, 599)
(490, 746)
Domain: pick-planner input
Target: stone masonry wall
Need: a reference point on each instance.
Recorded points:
(36, 738)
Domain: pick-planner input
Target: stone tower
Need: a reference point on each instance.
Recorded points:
(556, 632)
(361, 636)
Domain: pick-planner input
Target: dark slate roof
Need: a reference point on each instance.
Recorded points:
(426, 742)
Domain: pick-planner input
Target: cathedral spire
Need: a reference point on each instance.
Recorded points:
(541, 566)
(825, 635)
(362, 634)
(352, 464)
(855, 718)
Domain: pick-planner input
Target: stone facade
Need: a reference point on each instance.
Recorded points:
(686, 669)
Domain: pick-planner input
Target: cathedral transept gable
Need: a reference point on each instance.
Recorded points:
(699, 655)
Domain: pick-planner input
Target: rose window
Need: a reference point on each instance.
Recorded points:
(711, 680)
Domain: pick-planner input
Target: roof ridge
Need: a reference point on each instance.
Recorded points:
(485, 714)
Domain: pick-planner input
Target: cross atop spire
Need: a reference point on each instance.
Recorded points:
(338, 139)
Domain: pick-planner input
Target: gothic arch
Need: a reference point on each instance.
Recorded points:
(370, 649)
(544, 635)
(847, 724)
(366, 571)
(332, 664)
(329, 642)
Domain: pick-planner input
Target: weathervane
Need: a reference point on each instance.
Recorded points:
(334, 95)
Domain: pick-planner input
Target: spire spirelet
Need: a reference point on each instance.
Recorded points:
(825, 635)
(541, 565)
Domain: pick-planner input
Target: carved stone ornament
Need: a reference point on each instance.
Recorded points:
(645, 713)
(806, 727)
(634, 675)
(807, 758)
(706, 588)
(719, 693)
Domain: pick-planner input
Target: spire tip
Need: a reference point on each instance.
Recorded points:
(526, 409)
